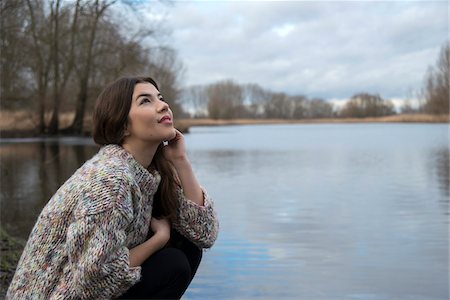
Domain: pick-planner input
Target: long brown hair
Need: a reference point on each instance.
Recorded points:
(109, 122)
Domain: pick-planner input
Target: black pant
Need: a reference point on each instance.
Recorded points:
(168, 272)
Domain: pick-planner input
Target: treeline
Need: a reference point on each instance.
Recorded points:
(57, 55)
(228, 100)
(436, 91)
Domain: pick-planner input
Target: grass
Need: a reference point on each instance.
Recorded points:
(22, 123)
(11, 249)
(403, 118)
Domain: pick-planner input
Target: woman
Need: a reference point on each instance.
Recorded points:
(131, 222)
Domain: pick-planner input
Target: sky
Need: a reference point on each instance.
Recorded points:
(326, 49)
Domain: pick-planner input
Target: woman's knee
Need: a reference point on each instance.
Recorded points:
(193, 253)
(166, 274)
(173, 264)
(179, 264)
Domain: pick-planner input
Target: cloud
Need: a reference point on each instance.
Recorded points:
(319, 49)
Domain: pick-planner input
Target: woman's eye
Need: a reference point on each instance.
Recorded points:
(145, 100)
(162, 99)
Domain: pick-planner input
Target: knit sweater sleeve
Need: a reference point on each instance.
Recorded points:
(197, 223)
(98, 256)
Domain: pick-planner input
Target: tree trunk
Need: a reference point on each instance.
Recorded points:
(41, 121)
(54, 122)
(77, 125)
(42, 67)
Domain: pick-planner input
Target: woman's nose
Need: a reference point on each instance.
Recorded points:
(163, 106)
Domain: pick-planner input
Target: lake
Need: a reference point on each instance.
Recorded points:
(307, 211)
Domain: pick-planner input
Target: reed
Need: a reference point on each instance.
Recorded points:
(24, 122)
(403, 118)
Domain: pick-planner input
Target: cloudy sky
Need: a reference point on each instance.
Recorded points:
(328, 49)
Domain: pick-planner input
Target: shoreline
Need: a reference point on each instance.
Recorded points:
(19, 124)
(403, 118)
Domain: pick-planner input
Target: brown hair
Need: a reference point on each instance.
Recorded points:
(109, 122)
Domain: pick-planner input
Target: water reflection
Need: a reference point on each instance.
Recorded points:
(361, 221)
(442, 167)
(30, 174)
(307, 212)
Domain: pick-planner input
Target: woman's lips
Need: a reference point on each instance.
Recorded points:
(165, 120)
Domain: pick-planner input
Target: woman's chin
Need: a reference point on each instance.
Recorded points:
(172, 135)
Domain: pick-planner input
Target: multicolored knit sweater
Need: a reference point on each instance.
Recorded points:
(79, 247)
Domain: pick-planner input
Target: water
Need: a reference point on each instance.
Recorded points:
(321, 211)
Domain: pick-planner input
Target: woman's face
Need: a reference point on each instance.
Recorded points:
(150, 118)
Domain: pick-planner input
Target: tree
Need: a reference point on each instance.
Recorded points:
(14, 59)
(41, 58)
(407, 107)
(57, 55)
(437, 84)
(96, 10)
(195, 98)
(364, 105)
(279, 107)
(319, 108)
(256, 98)
(300, 107)
(166, 69)
(224, 99)
(64, 38)
(54, 53)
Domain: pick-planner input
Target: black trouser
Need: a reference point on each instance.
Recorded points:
(168, 272)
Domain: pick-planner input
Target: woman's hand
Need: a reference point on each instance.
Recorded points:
(175, 151)
(161, 228)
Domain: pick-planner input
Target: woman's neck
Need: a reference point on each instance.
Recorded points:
(142, 153)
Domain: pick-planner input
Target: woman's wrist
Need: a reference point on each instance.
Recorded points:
(161, 238)
(140, 253)
(181, 162)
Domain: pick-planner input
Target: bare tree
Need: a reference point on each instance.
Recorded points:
(407, 107)
(14, 91)
(95, 11)
(166, 70)
(300, 107)
(437, 84)
(14, 58)
(41, 60)
(55, 19)
(279, 107)
(256, 98)
(54, 49)
(224, 98)
(319, 108)
(367, 105)
(64, 38)
(195, 99)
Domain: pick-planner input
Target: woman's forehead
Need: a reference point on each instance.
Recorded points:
(144, 88)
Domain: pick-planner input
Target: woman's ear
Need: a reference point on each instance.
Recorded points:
(125, 131)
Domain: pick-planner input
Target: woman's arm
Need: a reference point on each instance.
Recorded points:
(197, 223)
(196, 218)
(98, 258)
(175, 152)
(189, 183)
(140, 253)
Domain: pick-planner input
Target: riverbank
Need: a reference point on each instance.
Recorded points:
(402, 118)
(11, 249)
(23, 124)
